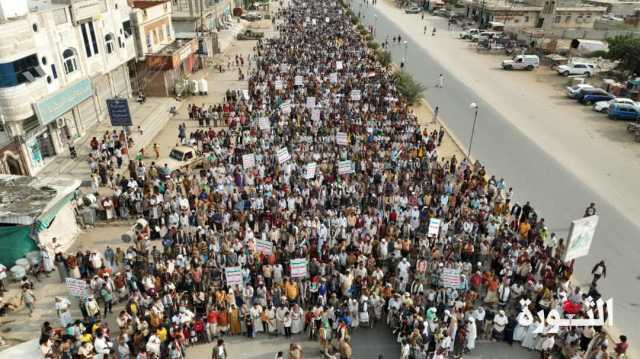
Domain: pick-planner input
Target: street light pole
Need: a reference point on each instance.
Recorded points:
(473, 128)
(404, 59)
(375, 24)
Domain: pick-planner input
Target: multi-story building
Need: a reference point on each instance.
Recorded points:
(162, 58)
(204, 17)
(547, 14)
(59, 61)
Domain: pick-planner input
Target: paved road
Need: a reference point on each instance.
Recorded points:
(559, 191)
(367, 344)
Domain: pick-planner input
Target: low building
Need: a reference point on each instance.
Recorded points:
(617, 7)
(162, 59)
(34, 210)
(534, 14)
(59, 61)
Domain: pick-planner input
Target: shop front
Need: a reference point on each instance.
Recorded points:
(61, 118)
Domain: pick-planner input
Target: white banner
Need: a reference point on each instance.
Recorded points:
(284, 67)
(342, 139)
(580, 237)
(345, 167)
(356, 95)
(233, 275)
(278, 84)
(283, 155)
(451, 278)
(311, 102)
(310, 170)
(299, 80)
(298, 267)
(339, 65)
(265, 247)
(77, 287)
(264, 124)
(245, 94)
(286, 108)
(434, 227)
(248, 161)
(315, 114)
(333, 78)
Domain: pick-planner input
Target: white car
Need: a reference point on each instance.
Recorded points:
(521, 62)
(179, 158)
(577, 69)
(574, 91)
(468, 34)
(603, 106)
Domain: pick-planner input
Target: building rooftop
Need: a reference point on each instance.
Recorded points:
(145, 4)
(23, 199)
(171, 48)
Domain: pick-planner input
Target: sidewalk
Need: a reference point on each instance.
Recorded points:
(151, 117)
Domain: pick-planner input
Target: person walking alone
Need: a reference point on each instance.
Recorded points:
(598, 271)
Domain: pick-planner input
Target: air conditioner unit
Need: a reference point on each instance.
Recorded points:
(60, 122)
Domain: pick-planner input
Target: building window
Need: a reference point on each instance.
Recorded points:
(93, 38)
(35, 27)
(43, 60)
(69, 60)
(148, 36)
(85, 39)
(557, 19)
(54, 71)
(24, 70)
(109, 43)
(168, 30)
(567, 19)
(126, 26)
(155, 36)
(526, 19)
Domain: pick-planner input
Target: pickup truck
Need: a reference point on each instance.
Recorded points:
(468, 34)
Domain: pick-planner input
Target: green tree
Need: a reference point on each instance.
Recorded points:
(383, 56)
(409, 88)
(626, 49)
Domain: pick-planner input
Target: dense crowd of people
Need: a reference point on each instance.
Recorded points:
(322, 163)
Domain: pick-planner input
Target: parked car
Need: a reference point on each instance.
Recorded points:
(252, 16)
(484, 35)
(468, 34)
(603, 106)
(577, 69)
(250, 35)
(624, 111)
(521, 62)
(574, 91)
(413, 9)
(444, 13)
(179, 158)
(593, 95)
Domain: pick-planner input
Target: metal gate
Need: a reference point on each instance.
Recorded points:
(103, 92)
(88, 113)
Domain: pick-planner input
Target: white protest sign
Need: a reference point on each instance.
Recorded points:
(580, 237)
(345, 167)
(299, 80)
(313, 21)
(233, 275)
(342, 139)
(355, 95)
(450, 278)
(264, 124)
(315, 114)
(263, 246)
(311, 102)
(77, 288)
(333, 77)
(339, 65)
(434, 227)
(284, 67)
(326, 19)
(283, 155)
(298, 267)
(278, 84)
(286, 108)
(310, 170)
(248, 161)
(245, 94)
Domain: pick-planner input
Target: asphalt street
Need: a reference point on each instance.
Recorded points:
(553, 189)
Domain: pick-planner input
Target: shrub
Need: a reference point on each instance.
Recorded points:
(409, 88)
(372, 45)
(383, 57)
